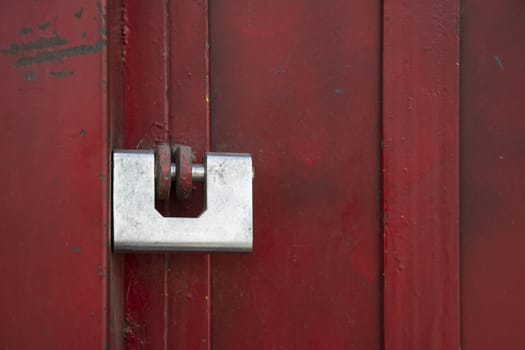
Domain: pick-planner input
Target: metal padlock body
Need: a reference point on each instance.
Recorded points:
(226, 223)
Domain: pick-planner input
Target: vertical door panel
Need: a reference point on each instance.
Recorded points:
(189, 282)
(421, 174)
(53, 207)
(493, 174)
(145, 124)
(296, 83)
(165, 100)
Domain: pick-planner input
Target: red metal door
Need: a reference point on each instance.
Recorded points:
(310, 116)
(283, 87)
(351, 110)
(54, 175)
(493, 174)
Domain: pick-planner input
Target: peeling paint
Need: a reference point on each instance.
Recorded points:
(41, 43)
(59, 55)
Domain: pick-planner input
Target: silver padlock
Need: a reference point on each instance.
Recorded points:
(226, 223)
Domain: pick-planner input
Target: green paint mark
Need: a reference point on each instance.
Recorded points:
(44, 26)
(62, 75)
(42, 43)
(59, 55)
(79, 14)
(25, 31)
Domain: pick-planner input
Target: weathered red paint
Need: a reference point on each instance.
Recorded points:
(190, 119)
(166, 84)
(296, 84)
(54, 178)
(492, 180)
(183, 181)
(420, 174)
(162, 171)
(115, 109)
(146, 124)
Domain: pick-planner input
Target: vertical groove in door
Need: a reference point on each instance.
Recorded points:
(189, 273)
(166, 100)
(146, 108)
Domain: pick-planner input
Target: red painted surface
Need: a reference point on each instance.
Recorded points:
(493, 174)
(54, 206)
(165, 89)
(297, 85)
(420, 175)
(115, 109)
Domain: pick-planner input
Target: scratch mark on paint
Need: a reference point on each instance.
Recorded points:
(101, 12)
(61, 74)
(79, 14)
(83, 132)
(42, 43)
(31, 76)
(59, 55)
(498, 62)
(26, 30)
